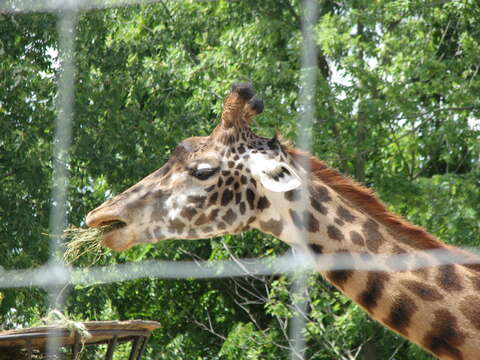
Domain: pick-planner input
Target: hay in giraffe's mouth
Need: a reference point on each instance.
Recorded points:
(81, 241)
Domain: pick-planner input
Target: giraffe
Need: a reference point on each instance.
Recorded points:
(234, 180)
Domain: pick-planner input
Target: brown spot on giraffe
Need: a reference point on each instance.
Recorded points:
(213, 198)
(401, 312)
(227, 196)
(263, 203)
(475, 267)
(345, 214)
(370, 297)
(201, 220)
(340, 277)
(447, 278)
(238, 197)
(207, 229)
(229, 181)
(241, 149)
(242, 207)
(310, 222)
(250, 198)
(229, 217)
(470, 307)
(475, 281)
(272, 226)
(318, 206)
(197, 201)
(297, 221)
(316, 248)
(444, 337)
(399, 250)
(422, 290)
(356, 238)
(334, 233)
(293, 195)
(188, 212)
(321, 193)
(176, 226)
(373, 237)
(213, 214)
(210, 188)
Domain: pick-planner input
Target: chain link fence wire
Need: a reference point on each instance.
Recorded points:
(62, 140)
(55, 274)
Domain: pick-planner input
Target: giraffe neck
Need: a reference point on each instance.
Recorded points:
(435, 307)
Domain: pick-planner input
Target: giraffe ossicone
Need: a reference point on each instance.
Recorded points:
(234, 180)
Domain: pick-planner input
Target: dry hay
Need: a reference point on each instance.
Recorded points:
(81, 241)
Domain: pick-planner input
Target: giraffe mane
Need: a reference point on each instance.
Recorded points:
(365, 199)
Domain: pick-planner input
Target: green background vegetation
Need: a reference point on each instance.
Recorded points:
(397, 107)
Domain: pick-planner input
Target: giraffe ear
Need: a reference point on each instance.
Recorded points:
(278, 176)
(280, 179)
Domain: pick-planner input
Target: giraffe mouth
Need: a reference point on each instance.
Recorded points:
(111, 225)
(116, 234)
(119, 236)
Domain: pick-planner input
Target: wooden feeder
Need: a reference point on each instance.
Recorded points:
(31, 343)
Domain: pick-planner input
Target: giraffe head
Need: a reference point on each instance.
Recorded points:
(210, 186)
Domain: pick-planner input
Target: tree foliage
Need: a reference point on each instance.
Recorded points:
(396, 107)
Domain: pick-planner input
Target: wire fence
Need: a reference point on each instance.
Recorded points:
(55, 274)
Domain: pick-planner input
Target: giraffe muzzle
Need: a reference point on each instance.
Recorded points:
(119, 236)
(101, 217)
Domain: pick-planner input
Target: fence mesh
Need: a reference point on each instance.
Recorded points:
(55, 274)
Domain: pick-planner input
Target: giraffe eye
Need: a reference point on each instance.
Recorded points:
(203, 173)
